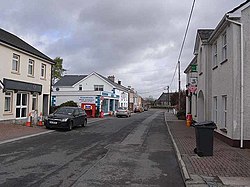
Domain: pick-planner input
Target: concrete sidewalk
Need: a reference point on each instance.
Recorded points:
(227, 167)
(12, 132)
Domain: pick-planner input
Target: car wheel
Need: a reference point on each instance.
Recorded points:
(70, 127)
(84, 123)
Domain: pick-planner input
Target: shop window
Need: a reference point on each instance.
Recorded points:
(16, 63)
(21, 105)
(98, 87)
(8, 102)
(31, 67)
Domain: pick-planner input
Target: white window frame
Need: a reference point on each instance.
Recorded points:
(9, 96)
(98, 87)
(224, 47)
(22, 106)
(31, 65)
(200, 60)
(80, 87)
(43, 71)
(215, 54)
(215, 109)
(224, 110)
(34, 102)
(15, 63)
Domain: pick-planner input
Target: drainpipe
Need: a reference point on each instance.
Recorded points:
(241, 82)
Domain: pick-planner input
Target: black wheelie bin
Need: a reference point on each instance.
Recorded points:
(204, 132)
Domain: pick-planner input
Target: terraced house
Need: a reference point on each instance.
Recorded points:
(222, 56)
(25, 79)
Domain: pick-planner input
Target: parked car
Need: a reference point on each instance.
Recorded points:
(123, 111)
(138, 109)
(66, 118)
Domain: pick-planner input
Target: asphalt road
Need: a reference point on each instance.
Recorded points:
(135, 151)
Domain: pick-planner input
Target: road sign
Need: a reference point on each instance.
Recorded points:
(192, 88)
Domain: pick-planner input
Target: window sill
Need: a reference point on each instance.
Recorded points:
(15, 72)
(7, 113)
(223, 130)
(43, 79)
(215, 67)
(200, 73)
(223, 61)
(31, 76)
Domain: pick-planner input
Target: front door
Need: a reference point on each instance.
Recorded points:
(21, 105)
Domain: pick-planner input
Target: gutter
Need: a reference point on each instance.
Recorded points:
(241, 82)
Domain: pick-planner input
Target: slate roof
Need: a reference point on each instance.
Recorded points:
(205, 33)
(69, 80)
(236, 8)
(114, 83)
(12, 40)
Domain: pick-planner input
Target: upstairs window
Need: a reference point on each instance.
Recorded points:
(98, 87)
(43, 71)
(16, 63)
(31, 67)
(215, 56)
(200, 61)
(224, 47)
(80, 87)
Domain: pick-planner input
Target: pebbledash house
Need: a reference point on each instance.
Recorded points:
(25, 79)
(218, 77)
(92, 92)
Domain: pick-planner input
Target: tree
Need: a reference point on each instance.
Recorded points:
(57, 69)
(175, 100)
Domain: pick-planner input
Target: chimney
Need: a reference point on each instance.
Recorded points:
(112, 78)
(119, 82)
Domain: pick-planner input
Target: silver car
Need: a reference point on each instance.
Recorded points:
(123, 111)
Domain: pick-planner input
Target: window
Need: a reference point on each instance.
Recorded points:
(224, 46)
(80, 87)
(43, 71)
(224, 110)
(215, 109)
(21, 105)
(15, 63)
(98, 87)
(200, 63)
(215, 60)
(8, 102)
(34, 102)
(31, 67)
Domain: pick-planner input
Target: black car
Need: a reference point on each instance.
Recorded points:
(66, 118)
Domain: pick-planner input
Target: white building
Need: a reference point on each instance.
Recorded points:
(223, 58)
(25, 77)
(93, 92)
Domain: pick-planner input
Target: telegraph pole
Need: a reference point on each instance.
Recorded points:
(168, 98)
(179, 80)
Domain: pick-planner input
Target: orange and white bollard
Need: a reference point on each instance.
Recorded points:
(28, 123)
(40, 122)
(189, 120)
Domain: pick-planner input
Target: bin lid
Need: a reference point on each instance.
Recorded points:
(205, 124)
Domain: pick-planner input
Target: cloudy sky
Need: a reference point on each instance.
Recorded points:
(137, 41)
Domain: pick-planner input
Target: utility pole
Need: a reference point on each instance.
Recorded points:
(179, 80)
(168, 98)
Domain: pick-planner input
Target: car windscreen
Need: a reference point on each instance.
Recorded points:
(66, 111)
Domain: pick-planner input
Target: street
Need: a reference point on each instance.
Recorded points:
(135, 151)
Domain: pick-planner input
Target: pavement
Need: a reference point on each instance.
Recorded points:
(228, 166)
